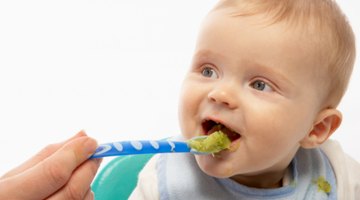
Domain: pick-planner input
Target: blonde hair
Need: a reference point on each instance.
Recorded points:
(331, 27)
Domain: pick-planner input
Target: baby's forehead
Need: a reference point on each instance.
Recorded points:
(281, 35)
(309, 33)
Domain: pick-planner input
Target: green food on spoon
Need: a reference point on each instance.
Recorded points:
(213, 143)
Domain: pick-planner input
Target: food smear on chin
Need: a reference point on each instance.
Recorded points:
(214, 143)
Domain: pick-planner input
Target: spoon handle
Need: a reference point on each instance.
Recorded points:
(140, 147)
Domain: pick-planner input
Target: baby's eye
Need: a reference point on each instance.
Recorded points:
(261, 86)
(209, 72)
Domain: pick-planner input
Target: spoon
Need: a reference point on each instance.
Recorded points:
(146, 147)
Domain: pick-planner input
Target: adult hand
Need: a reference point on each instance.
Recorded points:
(59, 171)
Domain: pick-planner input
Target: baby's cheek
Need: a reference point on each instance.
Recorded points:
(186, 104)
(186, 118)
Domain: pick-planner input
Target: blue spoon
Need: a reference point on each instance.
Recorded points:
(144, 147)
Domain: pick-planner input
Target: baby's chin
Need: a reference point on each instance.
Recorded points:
(215, 166)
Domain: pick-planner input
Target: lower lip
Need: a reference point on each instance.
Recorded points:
(234, 145)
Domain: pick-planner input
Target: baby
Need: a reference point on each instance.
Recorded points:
(271, 73)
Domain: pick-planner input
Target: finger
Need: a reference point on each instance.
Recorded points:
(78, 186)
(89, 195)
(54, 172)
(43, 154)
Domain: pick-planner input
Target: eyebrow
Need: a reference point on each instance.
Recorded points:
(204, 54)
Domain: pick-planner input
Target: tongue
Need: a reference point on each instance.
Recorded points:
(231, 134)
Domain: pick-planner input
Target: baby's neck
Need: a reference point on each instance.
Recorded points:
(264, 180)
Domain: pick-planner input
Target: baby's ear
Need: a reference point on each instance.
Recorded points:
(326, 123)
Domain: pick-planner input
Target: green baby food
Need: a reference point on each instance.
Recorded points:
(323, 185)
(213, 143)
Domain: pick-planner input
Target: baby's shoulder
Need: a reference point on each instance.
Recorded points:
(346, 169)
(147, 187)
(338, 157)
(149, 170)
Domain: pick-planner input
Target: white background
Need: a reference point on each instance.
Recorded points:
(112, 68)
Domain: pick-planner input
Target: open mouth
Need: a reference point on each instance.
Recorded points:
(210, 126)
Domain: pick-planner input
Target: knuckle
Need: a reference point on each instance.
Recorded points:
(73, 192)
(56, 173)
(91, 196)
(49, 149)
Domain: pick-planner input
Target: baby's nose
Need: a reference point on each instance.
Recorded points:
(223, 95)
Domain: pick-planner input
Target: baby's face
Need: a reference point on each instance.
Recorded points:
(256, 80)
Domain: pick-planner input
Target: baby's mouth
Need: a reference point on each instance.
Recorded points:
(210, 126)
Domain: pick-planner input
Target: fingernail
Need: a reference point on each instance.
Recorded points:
(90, 146)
